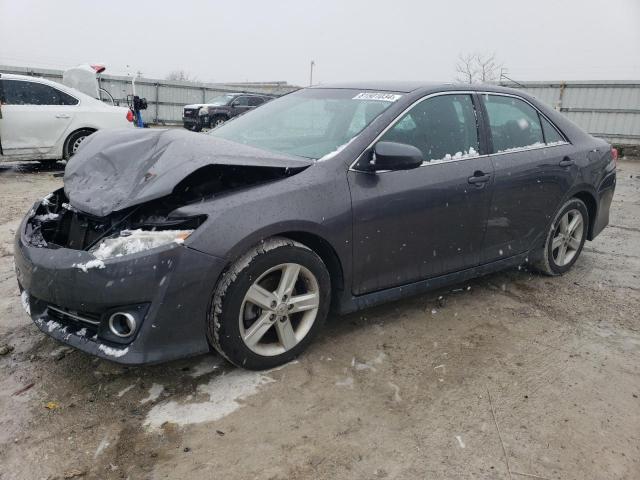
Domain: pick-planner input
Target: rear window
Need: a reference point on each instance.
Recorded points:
(514, 123)
(20, 92)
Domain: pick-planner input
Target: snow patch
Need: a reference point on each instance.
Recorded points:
(225, 393)
(347, 382)
(24, 297)
(125, 390)
(52, 325)
(46, 216)
(85, 267)
(134, 241)
(207, 365)
(112, 352)
(154, 393)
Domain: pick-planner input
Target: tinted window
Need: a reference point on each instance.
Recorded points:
(255, 101)
(513, 122)
(241, 102)
(551, 135)
(18, 92)
(440, 127)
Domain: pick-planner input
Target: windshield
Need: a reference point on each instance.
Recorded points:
(309, 123)
(220, 100)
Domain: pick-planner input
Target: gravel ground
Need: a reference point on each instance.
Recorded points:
(513, 375)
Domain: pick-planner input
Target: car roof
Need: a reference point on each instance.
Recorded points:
(411, 86)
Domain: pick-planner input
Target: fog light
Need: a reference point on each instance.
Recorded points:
(122, 324)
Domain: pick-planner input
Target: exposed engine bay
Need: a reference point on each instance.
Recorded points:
(54, 222)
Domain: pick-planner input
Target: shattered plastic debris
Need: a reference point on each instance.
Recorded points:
(89, 265)
(52, 405)
(113, 352)
(134, 241)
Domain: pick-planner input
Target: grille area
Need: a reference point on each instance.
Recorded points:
(75, 320)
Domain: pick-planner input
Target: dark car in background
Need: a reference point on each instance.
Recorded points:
(218, 110)
(165, 244)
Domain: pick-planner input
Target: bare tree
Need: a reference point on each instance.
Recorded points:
(478, 68)
(465, 68)
(181, 76)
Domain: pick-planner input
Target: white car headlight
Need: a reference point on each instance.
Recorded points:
(134, 241)
(203, 111)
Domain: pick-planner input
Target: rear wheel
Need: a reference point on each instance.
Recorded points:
(565, 239)
(74, 141)
(269, 305)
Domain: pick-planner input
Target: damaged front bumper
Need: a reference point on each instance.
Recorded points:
(71, 297)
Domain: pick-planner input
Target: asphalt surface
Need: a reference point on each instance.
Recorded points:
(510, 376)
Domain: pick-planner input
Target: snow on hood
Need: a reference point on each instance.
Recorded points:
(116, 169)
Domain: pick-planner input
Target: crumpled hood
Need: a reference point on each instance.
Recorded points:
(117, 169)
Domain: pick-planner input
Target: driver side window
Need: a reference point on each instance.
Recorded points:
(441, 127)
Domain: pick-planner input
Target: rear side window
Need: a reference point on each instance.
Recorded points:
(513, 123)
(241, 102)
(19, 92)
(551, 134)
(442, 127)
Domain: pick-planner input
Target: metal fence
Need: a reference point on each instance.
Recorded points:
(606, 109)
(165, 98)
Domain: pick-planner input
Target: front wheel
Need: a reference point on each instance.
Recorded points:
(269, 305)
(217, 120)
(565, 239)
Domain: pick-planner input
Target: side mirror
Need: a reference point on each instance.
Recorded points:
(395, 156)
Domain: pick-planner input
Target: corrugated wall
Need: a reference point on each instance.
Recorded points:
(610, 109)
(165, 98)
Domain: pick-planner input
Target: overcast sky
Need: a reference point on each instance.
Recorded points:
(349, 40)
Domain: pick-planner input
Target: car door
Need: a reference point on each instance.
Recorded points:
(35, 116)
(533, 169)
(415, 224)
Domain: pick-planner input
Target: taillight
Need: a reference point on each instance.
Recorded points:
(130, 115)
(614, 155)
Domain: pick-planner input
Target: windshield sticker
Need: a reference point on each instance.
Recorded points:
(383, 97)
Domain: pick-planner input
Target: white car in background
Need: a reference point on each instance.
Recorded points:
(45, 120)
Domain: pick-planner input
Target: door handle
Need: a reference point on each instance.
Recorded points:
(566, 162)
(479, 178)
(63, 115)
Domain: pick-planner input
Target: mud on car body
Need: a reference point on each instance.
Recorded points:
(164, 244)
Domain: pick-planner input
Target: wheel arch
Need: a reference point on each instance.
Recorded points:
(313, 240)
(325, 251)
(592, 207)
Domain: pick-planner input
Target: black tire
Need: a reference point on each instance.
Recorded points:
(73, 141)
(217, 120)
(547, 262)
(224, 330)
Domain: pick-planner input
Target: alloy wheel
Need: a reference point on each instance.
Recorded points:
(279, 309)
(567, 237)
